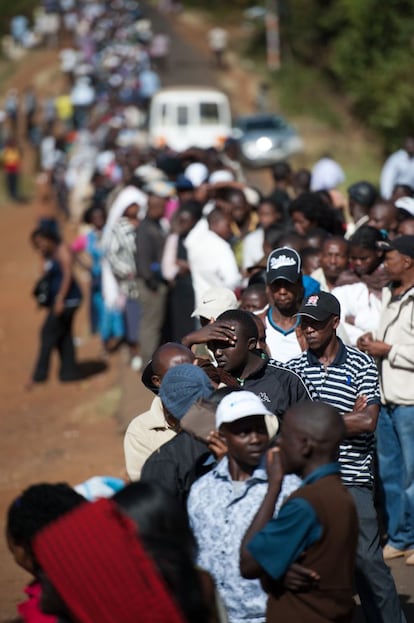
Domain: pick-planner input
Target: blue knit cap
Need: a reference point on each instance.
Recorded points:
(182, 386)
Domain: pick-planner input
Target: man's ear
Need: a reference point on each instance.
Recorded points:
(408, 262)
(251, 344)
(307, 446)
(155, 380)
(336, 322)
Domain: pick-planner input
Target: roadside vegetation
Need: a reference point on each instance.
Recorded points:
(346, 68)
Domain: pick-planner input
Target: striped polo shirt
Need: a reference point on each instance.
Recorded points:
(351, 374)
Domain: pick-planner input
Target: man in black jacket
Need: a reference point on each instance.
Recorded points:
(234, 338)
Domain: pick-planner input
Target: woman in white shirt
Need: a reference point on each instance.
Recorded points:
(361, 298)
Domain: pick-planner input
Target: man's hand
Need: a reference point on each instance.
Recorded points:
(213, 332)
(217, 445)
(364, 340)
(376, 348)
(274, 468)
(300, 579)
(360, 403)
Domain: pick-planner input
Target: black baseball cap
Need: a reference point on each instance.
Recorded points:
(402, 244)
(146, 378)
(283, 263)
(363, 193)
(320, 306)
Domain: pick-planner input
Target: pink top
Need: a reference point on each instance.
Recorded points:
(29, 610)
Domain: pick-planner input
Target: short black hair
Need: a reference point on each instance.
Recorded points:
(281, 171)
(314, 208)
(96, 207)
(244, 319)
(193, 207)
(47, 231)
(37, 507)
(259, 288)
(367, 237)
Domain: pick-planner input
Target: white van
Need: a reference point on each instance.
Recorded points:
(183, 117)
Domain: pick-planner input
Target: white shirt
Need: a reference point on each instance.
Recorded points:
(326, 174)
(356, 300)
(398, 169)
(253, 248)
(282, 346)
(211, 259)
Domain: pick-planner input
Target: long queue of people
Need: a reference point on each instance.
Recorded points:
(263, 427)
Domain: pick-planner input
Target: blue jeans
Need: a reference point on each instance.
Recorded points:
(373, 579)
(395, 443)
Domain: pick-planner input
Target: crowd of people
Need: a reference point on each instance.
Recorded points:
(276, 333)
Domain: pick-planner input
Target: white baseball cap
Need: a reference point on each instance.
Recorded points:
(405, 203)
(214, 302)
(241, 404)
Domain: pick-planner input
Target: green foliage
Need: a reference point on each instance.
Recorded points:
(366, 47)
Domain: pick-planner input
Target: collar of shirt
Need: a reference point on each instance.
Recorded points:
(222, 471)
(264, 361)
(321, 472)
(279, 329)
(158, 421)
(339, 360)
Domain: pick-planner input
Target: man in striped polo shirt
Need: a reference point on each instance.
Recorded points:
(347, 379)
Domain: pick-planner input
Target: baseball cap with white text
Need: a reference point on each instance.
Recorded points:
(283, 263)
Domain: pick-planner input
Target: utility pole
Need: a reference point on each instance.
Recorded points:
(272, 36)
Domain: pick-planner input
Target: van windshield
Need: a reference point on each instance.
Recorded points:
(209, 113)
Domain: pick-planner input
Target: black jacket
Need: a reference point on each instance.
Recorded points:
(278, 387)
(177, 464)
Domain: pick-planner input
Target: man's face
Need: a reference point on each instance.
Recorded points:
(334, 258)
(240, 209)
(318, 333)
(268, 215)
(395, 264)
(247, 439)
(382, 216)
(253, 301)
(300, 223)
(156, 206)
(285, 295)
(233, 358)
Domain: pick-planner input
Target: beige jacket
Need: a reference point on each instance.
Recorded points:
(397, 328)
(145, 434)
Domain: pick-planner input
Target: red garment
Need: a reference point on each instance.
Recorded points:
(95, 560)
(29, 610)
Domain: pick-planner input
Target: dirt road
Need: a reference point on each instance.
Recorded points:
(71, 432)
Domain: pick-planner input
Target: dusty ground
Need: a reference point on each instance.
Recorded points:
(71, 432)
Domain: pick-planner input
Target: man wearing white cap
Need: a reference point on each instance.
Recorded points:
(222, 503)
(210, 256)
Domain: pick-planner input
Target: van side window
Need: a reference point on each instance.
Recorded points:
(209, 113)
(182, 115)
